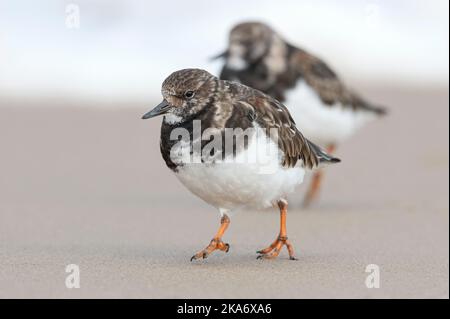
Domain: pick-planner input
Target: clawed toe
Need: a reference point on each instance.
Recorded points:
(274, 249)
(214, 245)
(266, 256)
(272, 256)
(201, 255)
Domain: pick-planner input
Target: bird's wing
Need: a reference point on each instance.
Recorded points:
(321, 78)
(327, 84)
(268, 113)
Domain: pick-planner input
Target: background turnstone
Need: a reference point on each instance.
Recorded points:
(323, 108)
(236, 178)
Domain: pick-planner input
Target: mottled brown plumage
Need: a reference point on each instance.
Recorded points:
(223, 104)
(275, 66)
(193, 95)
(325, 109)
(268, 114)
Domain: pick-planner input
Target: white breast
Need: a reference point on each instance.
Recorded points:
(254, 178)
(323, 124)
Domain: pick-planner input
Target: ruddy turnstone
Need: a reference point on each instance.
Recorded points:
(324, 109)
(234, 147)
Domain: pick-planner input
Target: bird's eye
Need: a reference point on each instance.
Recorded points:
(189, 94)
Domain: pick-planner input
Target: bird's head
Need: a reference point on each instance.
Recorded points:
(248, 43)
(185, 93)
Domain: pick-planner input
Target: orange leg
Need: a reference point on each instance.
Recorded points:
(216, 243)
(316, 182)
(274, 249)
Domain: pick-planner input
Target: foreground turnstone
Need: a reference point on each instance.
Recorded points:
(323, 108)
(234, 147)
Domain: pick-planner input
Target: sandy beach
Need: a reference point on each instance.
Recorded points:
(84, 184)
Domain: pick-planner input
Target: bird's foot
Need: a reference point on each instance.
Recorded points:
(215, 244)
(274, 249)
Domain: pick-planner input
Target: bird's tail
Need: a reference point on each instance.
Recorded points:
(323, 157)
(378, 110)
(362, 104)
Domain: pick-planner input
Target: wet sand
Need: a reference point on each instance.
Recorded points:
(84, 183)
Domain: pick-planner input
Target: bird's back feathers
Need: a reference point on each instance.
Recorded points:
(269, 114)
(327, 84)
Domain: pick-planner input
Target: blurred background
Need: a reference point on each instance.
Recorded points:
(82, 180)
(124, 49)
